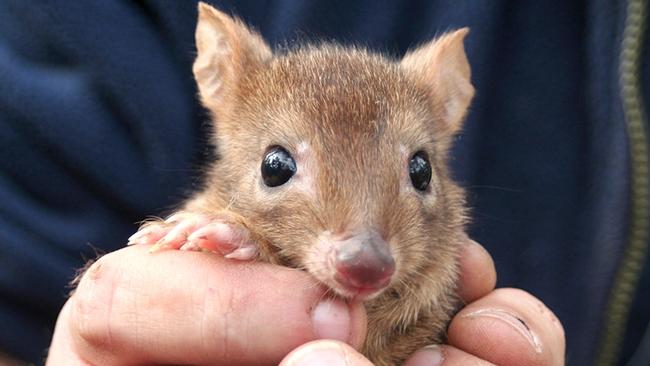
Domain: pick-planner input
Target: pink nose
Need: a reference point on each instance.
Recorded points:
(364, 261)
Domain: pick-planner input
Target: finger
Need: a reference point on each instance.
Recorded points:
(509, 327)
(477, 274)
(62, 350)
(444, 356)
(325, 353)
(177, 307)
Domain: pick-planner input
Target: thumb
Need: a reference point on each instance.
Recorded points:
(325, 353)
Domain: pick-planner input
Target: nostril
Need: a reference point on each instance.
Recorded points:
(365, 276)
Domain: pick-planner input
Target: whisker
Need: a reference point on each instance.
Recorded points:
(497, 188)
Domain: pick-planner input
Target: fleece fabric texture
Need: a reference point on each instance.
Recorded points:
(100, 127)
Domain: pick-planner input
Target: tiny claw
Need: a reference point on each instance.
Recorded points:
(177, 217)
(178, 235)
(221, 233)
(140, 234)
(191, 245)
(243, 254)
(149, 234)
(202, 233)
(160, 244)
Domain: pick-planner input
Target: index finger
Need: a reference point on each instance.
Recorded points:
(178, 307)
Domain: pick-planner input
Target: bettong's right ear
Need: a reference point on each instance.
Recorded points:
(226, 50)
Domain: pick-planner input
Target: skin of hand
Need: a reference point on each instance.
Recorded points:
(177, 307)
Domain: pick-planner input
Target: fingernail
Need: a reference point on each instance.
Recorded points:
(513, 321)
(331, 320)
(427, 356)
(318, 356)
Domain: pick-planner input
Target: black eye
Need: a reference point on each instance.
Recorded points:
(278, 167)
(420, 171)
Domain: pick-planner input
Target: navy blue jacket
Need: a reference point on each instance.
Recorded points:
(100, 127)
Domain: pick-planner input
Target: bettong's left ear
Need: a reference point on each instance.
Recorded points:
(442, 66)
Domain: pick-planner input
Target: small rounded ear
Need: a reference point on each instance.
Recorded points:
(442, 66)
(226, 49)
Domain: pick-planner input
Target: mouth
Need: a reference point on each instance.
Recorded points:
(361, 293)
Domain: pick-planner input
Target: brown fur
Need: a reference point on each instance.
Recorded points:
(357, 112)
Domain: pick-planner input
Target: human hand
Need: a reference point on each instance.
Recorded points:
(181, 307)
(103, 323)
(506, 327)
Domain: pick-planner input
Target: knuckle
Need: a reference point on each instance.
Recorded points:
(90, 310)
(221, 323)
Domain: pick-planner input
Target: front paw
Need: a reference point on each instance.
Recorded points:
(224, 233)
